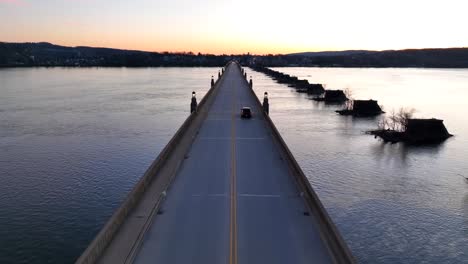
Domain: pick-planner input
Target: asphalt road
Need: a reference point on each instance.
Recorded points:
(233, 199)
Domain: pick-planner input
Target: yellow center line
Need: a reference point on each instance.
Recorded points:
(233, 221)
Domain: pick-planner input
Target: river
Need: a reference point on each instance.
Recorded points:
(73, 142)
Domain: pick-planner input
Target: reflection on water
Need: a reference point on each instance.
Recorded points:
(73, 142)
(400, 152)
(464, 205)
(401, 232)
(393, 203)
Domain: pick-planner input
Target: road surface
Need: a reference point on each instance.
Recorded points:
(233, 199)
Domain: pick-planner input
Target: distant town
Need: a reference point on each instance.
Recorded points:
(49, 55)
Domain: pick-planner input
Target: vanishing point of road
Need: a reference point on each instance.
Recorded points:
(232, 195)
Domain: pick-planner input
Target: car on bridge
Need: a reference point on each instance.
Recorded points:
(246, 112)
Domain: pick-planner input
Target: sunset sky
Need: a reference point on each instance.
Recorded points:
(241, 26)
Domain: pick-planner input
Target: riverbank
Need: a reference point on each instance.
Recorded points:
(47, 54)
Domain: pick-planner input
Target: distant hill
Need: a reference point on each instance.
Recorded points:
(47, 54)
(332, 53)
(431, 58)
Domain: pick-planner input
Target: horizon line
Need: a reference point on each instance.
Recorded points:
(226, 54)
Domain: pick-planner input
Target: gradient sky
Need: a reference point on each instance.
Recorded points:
(241, 26)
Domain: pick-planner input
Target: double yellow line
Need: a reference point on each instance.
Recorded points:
(233, 222)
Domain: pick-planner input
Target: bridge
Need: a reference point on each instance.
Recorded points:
(224, 190)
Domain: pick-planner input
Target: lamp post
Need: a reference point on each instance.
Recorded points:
(193, 104)
(266, 104)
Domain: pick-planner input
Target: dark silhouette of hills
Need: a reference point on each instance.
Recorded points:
(437, 58)
(47, 54)
(332, 53)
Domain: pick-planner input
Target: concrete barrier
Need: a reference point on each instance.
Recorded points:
(329, 233)
(97, 247)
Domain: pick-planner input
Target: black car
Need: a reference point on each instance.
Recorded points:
(246, 112)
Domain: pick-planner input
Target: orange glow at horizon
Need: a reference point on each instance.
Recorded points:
(224, 27)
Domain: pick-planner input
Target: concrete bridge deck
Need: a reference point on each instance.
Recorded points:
(231, 196)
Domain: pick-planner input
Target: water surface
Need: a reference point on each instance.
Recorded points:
(73, 142)
(392, 203)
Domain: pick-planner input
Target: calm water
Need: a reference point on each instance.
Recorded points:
(392, 203)
(73, 142)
